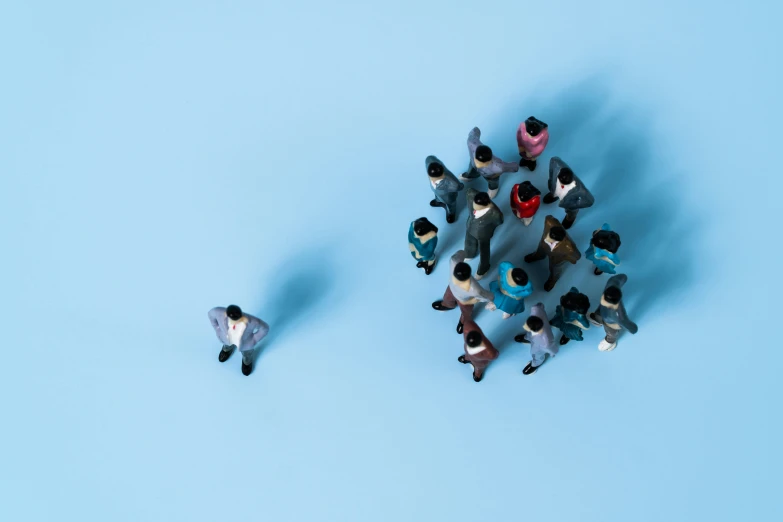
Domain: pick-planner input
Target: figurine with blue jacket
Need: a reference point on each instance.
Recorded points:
(571, 316)
(236, 329)
(485, 164)
(603, 250)
(538, 334)
(611, 313)
(569, 189)
(422, 240)
(510, 289)
(444, 185)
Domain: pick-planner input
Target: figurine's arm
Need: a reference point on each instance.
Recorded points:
(215, 322)
(508, 166)
(262, 329)
(469, 195)
(625, 321)
(538, 255)
(458, 257)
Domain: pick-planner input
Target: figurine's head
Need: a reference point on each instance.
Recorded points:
(481, 200)
(435, 170)
(557, 233)
(612, 295)
(526, 191)
(534, 324)
(234, 312)
(423, 226)
(519, 276)
(575, 301)
(462, 272)
(534, 126)
(474, 339)
(606, 240)
(483, 154)
(565, 176)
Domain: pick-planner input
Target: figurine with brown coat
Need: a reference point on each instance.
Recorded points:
(479, 351)
(556, 246)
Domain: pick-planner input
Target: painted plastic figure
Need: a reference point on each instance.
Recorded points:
(445, 186)
(479, 352)
(557, 246)
(483, 219)
(236, 329)
(603, 250)
(510, 289)
(571, 316)
(532, 137)
(486, 164)
(525, 200)
(569, 189)
(422, 240)
(611, 313)
(463, 291)
(538, 334)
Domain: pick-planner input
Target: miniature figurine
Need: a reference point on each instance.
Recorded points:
(236, 329)
(525, 200)
(532, 137)
(445, 186)
(486, 164)
(569, 189)
(603, 250)
(558, 247)
(510, 289)
(422, 240)
(483, 219)
(538, 334)
(479, 352)
(463, 291)
(570, 316)
(611, 313)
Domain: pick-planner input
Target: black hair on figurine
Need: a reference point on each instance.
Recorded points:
(483, 153)
(474, 339)
(482, 198)
(612, 295)
(557, 233)
(435, 170)
(565, 176)
(234, 312)
(519, 276)
(527, 191)
(462, 271)
(534, 323)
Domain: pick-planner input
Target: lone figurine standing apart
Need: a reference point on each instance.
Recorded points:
(479, 352)
(603, 250)
(510, 290)
(525, 200)
(565, 186)
(237, 330)
(445, 186)
(558, 247)
(570, 316)
(486, 164)
(463, 291)
(532, 137)
(483, 219)
(611, 313)
(538, 334)
(422, 240)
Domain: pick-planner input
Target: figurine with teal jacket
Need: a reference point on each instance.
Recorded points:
(422, 240)
(603, 250)
(510, 289)
(571, 316)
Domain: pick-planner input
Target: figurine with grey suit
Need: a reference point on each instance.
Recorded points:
(484, 163)
(483, 218)
(569, 189)
(611, 313)
(236, 329)
(445, 186)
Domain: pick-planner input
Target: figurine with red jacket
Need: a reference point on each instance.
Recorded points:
(532, 137)
(525, 201)
(479, 352)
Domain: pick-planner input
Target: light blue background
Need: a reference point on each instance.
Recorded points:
(162, 158)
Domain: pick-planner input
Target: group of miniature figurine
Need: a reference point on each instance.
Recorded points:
(508, 293)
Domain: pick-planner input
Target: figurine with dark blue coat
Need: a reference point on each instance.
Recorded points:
(444, 185)
(485, 164)
(538, 334)
(422, 240)
(611, 313)
(510, 289)
(603, 250)
(571, 316)
(569, 189)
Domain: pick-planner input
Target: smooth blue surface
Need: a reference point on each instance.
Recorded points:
(161, 158)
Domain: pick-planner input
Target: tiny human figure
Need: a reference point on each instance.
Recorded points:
(525, 200)
(463, 291)
(445, 186)
(603, 250)
(236, 329)
(538, 334)
(611, 313)
(532, 137)
(557, 246)
(422, 240)
(485, 164)
(570, 316)
(510, 289)
(483, 219)
(569, 189)
(479, 351)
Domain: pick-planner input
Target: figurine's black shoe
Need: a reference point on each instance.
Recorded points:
(477, 379)
(225, 354)
(420, 264)
(436, 203)
(529, 369)
(451, 218)
(597, 272)
(530, 164)
(549, 198)
(247, 368)
(521, 339)
(568, 222)
(531, 258)
(428, 269)
(438, 305)
(459, 327)
(564, 340)
(549, 285)
(462, 359)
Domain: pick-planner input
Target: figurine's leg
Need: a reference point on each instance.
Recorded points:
(493, 185)
(531, 165)
(484, 262)
(550, 198)
(436, 203)
(449, 302)
(470, 174)
(247, 361)
(466, 314)
(598, 271)
(539, 357)
(226, 352)
(478, 371)
(570, 217)
(451, 208)
(564, 339)
(610, 342)
(554, 275)
(471, 247)
(429, 266)
(527, 221)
